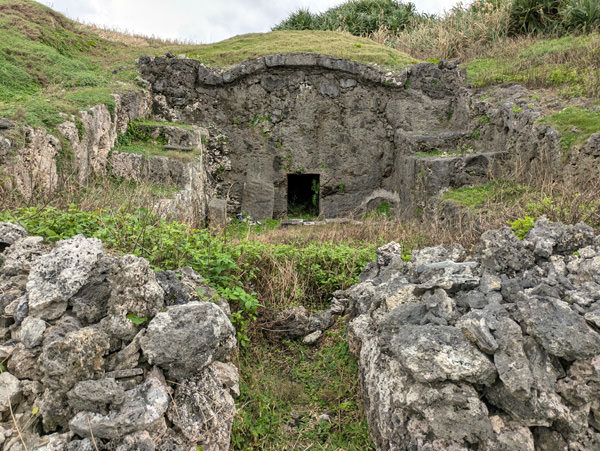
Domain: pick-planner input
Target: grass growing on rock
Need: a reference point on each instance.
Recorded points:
(343, 45)
(500, 202)
(50, 64)
(575, 125)
(137, 139)
(570, 65)
(499, 191)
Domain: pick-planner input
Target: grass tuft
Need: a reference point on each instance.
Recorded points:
(575, 125)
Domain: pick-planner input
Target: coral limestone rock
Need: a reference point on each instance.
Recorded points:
(186, 338)
(498, 353)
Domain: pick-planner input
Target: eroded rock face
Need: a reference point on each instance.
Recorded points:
(87, 346)
(354, 125)
(497, 350)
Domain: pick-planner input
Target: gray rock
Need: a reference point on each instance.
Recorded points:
(292, 323)
(142, 409)
(23, 363)
(510, 435)
(134, 289)
(95, 395)
(448, 275)
(503, 253)
(90, 302)
(186, 338)
(32, 331)
(511, 361)
(54, 442)
(217, 213)
(228, 376)
(139, 441)
(258, 198)
(593, 318)
(63, 272)
(388, 252)
(78, 356)
(54, 410)
(203, 410)
(479, 333)
(6, 124)
(183, 286)
(120, 327)
(438, 353)
(418, 345)
(10, 391)
(81, 445)
(19, 257)
(312, 338)
(490, 283)
(9, 233)
(557, 328)
(546, 237)
(437, 254)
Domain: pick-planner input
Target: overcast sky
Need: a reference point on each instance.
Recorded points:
(199, 21)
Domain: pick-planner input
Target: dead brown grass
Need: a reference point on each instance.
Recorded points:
(460, 33)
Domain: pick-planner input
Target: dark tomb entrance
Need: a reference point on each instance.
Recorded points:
(303, 194)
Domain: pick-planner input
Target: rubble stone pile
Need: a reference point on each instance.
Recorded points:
(497, 350)
(100, 352)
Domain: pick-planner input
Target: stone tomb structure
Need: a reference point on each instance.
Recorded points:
(317, 134)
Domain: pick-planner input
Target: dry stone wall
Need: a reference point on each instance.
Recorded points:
(102, 353)
(493, 351)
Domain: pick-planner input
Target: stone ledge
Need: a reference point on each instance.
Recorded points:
(395, 78)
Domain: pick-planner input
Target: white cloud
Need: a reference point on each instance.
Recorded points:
(199, 20)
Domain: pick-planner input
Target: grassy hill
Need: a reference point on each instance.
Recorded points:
(50, 64)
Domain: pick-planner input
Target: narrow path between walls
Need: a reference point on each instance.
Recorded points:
(296, 396)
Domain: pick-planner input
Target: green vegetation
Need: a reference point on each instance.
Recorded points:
(239, 48)
(50, 64)
(506, 200)
(495, 191)
(289, 386)
(568, 64)
(137, 320)
(522, 226)
(575, 125)
(316, 269)
(139, 139)
(360, 18)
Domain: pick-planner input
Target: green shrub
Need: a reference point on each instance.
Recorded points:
(243, 272)
(358, 17)
(522, 226)
(535, 16)
(582, 15)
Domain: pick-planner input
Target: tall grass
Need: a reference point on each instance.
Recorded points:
(458, 33)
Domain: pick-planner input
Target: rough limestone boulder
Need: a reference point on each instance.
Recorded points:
(102, 353)
(499, 350)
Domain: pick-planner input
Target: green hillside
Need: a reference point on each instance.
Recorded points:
(50, 64)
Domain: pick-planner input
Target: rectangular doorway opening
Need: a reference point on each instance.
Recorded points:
(303, 194)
